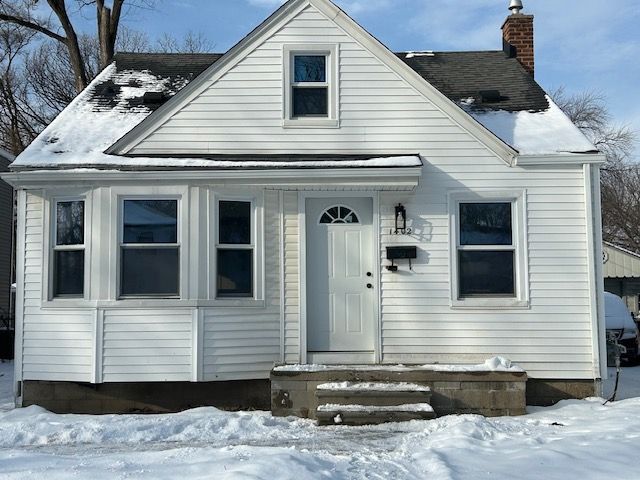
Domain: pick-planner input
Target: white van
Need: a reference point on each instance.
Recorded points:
(619, 320)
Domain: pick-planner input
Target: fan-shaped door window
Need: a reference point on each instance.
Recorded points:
(339, 214)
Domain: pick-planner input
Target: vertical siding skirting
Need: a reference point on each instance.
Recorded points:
(378, 273)
(98, 356)
(197, 345)
(302, 283)
(594, 261)
(282, 273)
(19, 322)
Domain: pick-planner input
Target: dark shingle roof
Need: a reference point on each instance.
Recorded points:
(172, 65)
(458, 75)
(462, 75)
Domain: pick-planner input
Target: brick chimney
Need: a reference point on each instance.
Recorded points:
(517, 36)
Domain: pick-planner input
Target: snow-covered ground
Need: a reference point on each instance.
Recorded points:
(574, 439)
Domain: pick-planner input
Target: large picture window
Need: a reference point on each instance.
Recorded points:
(486, 250)
(235, 250)
(149, 250)
(69, 249)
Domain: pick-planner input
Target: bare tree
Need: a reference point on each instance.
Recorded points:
(589, 112)
(24, 13)
(192, 42)
(16, 117)
(620, 176)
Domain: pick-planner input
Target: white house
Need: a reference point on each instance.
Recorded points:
(190, 221)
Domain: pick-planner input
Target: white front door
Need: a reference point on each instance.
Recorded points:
(340, 283)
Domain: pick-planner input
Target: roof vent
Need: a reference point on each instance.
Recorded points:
(516, 6)
(153, 98)
(489, 96)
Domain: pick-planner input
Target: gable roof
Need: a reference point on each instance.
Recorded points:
(113, 107)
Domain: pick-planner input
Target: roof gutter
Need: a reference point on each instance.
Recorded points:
(363, 178)
(549, 160)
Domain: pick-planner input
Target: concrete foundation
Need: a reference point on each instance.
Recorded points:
(549, 392)
(151, 397)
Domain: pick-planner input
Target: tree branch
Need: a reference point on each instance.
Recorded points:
(33, 26)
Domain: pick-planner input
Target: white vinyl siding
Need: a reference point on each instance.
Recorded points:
(244, 343)
(291, 278)
(552, 338)
(147, 345)
(56, 345)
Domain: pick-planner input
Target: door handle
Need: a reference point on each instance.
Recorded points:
(369, 285)
(369, 274)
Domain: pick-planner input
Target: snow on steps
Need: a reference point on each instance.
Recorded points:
(359, 403)
(372, 393)
(353, 414)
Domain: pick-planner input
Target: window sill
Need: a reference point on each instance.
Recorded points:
(311, 123)
(490, 304)
(67, 304)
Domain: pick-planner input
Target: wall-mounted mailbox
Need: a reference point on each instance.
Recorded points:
(400, 253)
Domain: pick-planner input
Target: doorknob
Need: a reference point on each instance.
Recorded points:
(369, 285)
(369, 274)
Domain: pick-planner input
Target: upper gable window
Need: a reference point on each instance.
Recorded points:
(311, 88)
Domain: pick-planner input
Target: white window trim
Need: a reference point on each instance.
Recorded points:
(121, 245)
(519, 228)
(288, 54)
(118, 194)
(50, 227)
(257, 245)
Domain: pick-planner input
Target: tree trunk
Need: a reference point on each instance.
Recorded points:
(108, 21)
(71, 41)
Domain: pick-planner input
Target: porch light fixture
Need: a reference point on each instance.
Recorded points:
(401, 220)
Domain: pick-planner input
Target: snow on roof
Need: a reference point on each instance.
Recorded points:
(89, 125)
(533, 133)
(81, 133)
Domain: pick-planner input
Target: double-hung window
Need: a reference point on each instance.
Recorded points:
(489, 267)
(68, 249)
(310, 86)
(149, 249)
(486, 250)
(235, 250)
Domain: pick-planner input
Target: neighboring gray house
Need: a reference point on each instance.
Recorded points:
(6, 240)
(309, 197)
(622, 275)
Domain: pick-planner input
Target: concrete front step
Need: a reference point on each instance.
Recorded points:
(372, 393)
(354, 414)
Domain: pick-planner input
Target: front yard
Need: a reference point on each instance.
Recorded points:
(575, 439)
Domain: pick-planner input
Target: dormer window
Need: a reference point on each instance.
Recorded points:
(310, 90)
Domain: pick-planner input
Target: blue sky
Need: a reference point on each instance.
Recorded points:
(582, 45)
